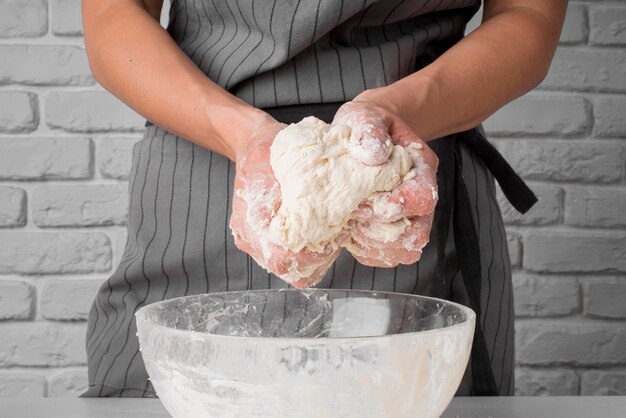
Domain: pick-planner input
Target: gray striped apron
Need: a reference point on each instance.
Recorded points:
(179, 244)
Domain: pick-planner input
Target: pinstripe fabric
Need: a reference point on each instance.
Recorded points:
(274, 53)
(179, 244)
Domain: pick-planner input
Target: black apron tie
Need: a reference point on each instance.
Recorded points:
(516, 191)
(467, 241)
(468, 254)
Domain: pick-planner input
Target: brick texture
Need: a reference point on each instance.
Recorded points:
(515, 248)
(575, 29)
(13, 209)
(80, 205)
(45, 158)
(548, 210)
(545, 295)
(584, 69)
(18, 112)
(54, 252)
(561, 160)
(595, 206)
(608, 24)
(22, 385)
(574, 344)
(115, 157)
(90, 111)
(540, 114)
(555, 251)
(610, 120)
(42, 344)
(68, 299)
(603, 382)
(605, 297)
(68, 384)
(23, 18)
(43, 65)
(17, 300)
(541, 382)
(66, 149)
(66, 17)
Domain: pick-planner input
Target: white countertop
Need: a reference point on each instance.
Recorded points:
(470, 407)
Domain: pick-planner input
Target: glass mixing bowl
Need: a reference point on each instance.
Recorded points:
(314, 353)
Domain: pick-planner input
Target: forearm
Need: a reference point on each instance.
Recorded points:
(504, 58)
(134, 58)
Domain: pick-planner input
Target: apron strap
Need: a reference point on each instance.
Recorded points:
(516, 191)
(443, 212)
(468, 254)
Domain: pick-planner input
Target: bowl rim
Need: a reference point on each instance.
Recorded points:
(471, 317)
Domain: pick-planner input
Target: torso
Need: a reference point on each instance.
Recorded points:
(274, 53)
(179, 242)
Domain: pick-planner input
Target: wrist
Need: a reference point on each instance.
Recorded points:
(241, 124)
(232, 123)
(385, 97)
(406, 99)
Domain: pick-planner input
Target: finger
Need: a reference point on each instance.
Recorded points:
(317, 275)
(417, 147)
(405, 249)
(237, 217)
(372, 260)
(363, 211)
(402, 134)
(387, 258)
(369, 141)
(255, 182)
(383, 257)
(416, 196)
(306, 267)
(290, 266)
(283, 261)
(372, 255)
(370, 144)
(262, 194)
(245, 239)
(304, 271)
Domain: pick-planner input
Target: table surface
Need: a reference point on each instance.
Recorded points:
(470, 407)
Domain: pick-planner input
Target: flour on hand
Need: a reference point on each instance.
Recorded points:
(322, 184)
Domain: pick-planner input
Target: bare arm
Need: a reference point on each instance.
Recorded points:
(505, 57)
(133, 57)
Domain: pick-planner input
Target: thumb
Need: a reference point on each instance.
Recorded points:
(369, 141)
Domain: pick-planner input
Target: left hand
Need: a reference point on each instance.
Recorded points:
(255, 199)
(414, 199)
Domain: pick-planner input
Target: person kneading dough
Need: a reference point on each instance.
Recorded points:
(335, 144)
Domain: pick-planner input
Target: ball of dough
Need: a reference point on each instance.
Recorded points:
(321, 184)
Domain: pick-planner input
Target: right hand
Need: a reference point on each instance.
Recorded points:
(256, 199)
(414, 199)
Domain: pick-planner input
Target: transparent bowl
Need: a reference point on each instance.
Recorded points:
(314, 353)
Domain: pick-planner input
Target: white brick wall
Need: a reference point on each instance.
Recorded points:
(65, 151)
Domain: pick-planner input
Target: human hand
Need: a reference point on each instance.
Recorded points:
(256, 199)
(370, 142)
(408, 209)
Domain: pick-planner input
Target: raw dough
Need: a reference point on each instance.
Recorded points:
(321, 185)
